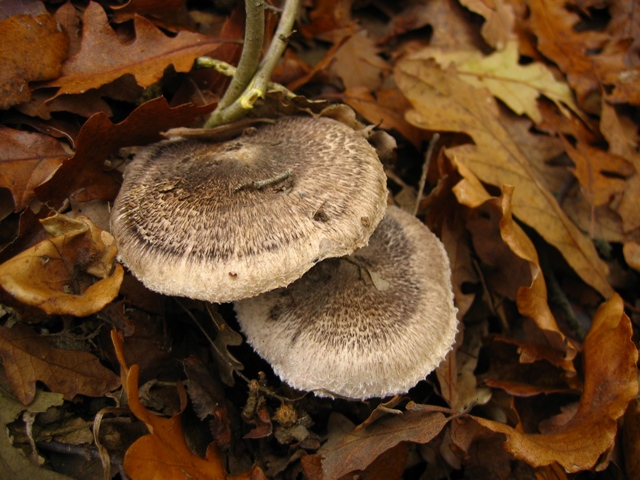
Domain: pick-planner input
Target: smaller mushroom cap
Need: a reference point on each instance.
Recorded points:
(225, 221)
(369, 325)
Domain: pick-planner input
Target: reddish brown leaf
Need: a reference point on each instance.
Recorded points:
(29, 357)
(27, 160)
(102, 58)
(58, 275)
(509, 246)
(32, 49)
(84, 177)
(348, 449)
(386, 109)
(601, 174)
(611, 380)
(164, 454)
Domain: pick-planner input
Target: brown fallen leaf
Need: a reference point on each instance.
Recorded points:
(602, 175)
(532, 298)
(349, 449)
(29, 357)
(357, 62)
(386, 109)
(518, 86)
(27, 159)
(443, 102)
(102, 58)
(57, 275)
(32, 48)
(499, 16)
(164, 453)
(84, 176)
(611, 381)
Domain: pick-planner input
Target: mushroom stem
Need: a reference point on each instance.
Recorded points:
(250, 58)
(259, 83)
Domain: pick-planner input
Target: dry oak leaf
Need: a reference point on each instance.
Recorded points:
(497, 30)
(57, 275)
(84, 177)
(27, 160)
(350, 449)
(29, 357)
(519, 86)
(531, 299)
(553, 23)
(103, 58)
(443, 102)
(611, 381)
(164, 454)
(31, 49)
(386, 110)
(357, 62)
(601, 174)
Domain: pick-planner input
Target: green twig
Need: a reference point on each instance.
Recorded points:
(249, 60)
(258, 86)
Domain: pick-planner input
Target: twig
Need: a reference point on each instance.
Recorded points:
(249, 60)
(425, 168)
(260, 82)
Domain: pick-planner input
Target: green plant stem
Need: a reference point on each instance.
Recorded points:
(250, 58)
(228, 70)
(259, 84)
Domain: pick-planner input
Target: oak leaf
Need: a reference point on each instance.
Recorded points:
(611, 381)
(84, 175)
(29, 357)
(357, 62)
(349, 449)
(531, 298)
(164, 454)
(519, 86)
(28, 159)
(57, 275)
(102, 58)
(32, 48)
(441, 101)
(499, 23)
(601, 174)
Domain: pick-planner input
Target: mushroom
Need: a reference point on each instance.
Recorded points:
(229, 220)
(372, 324)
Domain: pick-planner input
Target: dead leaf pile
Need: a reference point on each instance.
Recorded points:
(533, 185)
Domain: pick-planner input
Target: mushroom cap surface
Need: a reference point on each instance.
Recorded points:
(229, 220)
(369, 325)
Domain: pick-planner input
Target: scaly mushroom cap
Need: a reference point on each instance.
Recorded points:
(369, 325)
(225, 221)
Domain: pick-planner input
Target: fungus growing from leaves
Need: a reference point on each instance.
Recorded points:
(229, 220)
(371, 324)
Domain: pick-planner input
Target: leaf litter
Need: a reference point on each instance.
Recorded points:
(533, 188)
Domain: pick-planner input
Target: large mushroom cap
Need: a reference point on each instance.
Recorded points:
(369, 325)
(224, 221)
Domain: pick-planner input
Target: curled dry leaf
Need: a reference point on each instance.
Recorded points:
(29, 357)
(102, 58)
(519, 86)
(350, 449)
(32, 48)
(164, 454)
(28, 159)
(442, 101)
(531, 299)
(84, 176)
(611, 380)
(57, 275)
